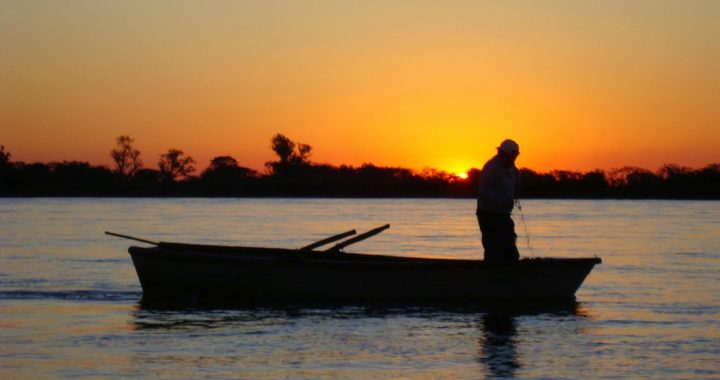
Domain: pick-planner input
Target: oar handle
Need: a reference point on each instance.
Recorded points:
(328, 240)
(337, 247)
(130, 237)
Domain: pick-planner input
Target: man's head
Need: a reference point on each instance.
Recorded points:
(508, 152)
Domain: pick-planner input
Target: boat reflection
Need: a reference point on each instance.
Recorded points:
(497, 320)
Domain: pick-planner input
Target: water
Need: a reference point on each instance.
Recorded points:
(69, 297)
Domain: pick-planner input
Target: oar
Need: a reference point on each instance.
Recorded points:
(130, 237)
(273, 263)
(328, 240)
(309, 247)
(337, 247)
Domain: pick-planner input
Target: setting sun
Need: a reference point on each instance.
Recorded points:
(462, 175)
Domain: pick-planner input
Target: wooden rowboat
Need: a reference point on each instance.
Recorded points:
(271, 275)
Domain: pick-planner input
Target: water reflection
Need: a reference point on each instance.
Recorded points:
(414, 338)
(497, 344)
(499, 337)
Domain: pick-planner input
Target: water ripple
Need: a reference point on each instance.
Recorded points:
(89, 295)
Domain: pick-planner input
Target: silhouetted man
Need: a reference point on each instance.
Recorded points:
(499, 182)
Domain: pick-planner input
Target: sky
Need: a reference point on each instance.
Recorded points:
(580, 85)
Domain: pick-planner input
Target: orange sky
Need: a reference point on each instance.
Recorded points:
(580, 85)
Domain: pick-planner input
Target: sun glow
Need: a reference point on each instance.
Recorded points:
(462, 175)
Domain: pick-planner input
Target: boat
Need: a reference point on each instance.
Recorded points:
(275, 275)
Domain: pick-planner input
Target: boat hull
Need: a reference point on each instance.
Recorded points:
(283, 275)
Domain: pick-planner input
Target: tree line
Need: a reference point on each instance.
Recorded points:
(293, 174)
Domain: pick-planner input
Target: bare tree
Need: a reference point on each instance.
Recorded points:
(126, 157)
(174, 164)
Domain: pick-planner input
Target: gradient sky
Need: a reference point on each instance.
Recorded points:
(580, 85)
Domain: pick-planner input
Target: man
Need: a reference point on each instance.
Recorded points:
(497, 189)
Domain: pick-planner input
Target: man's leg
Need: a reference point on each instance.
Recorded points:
(508, 239)
(492, 244)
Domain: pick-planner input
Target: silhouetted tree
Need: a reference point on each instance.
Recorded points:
(678, 180)
(4, 157)
(146, 182)
(671, 171)
(222, 162)
(5, 164)
(174, 164)
(5, 171)
(593, 183)
(283, 147)
(292, 160)
(303, 154)
(438, 175)
(227, 166)
(126, 157)
(634, 182)
(79, 178)
(709, 179)
(225, 176)
(294, 175)
(30, 179)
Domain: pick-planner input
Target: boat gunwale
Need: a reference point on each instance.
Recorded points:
(264, 255)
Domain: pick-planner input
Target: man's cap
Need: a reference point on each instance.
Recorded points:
(510, 147)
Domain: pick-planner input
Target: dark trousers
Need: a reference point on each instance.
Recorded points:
(498, 236)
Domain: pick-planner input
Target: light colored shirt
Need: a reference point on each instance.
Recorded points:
(497, 187)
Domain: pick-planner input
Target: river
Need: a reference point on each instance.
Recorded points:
(70, 300)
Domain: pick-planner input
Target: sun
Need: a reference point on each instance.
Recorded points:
(462, 175)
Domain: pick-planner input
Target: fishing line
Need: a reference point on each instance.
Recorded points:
(527, 234)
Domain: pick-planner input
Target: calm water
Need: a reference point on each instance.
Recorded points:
(69, 297)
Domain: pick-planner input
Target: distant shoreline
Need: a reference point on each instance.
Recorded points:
(309, 180)
(294, 176)
(348, 197)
